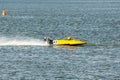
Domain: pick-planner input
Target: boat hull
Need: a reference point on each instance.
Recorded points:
(68, 42)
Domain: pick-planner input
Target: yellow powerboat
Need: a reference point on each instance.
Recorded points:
(68, 41)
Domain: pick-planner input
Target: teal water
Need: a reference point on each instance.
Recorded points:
(24, 55)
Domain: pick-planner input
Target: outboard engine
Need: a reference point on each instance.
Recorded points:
(45, 38)
(49, 41)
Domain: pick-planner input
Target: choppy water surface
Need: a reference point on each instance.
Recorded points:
(24, 56)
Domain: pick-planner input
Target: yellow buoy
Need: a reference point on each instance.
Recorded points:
(3, 13)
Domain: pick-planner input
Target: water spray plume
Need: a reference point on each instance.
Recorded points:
(21, 42)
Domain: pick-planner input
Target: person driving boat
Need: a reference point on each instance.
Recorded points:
(69, 38)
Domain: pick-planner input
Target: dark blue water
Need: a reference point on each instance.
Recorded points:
(24, 56)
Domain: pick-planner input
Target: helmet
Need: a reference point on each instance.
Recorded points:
(69, 38)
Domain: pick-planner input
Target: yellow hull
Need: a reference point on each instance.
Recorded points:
(68, 42)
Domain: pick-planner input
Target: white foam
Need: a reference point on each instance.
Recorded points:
(22, 42)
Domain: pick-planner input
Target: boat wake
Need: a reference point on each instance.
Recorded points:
(22, 42)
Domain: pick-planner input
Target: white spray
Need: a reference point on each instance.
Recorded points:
(22, 41)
